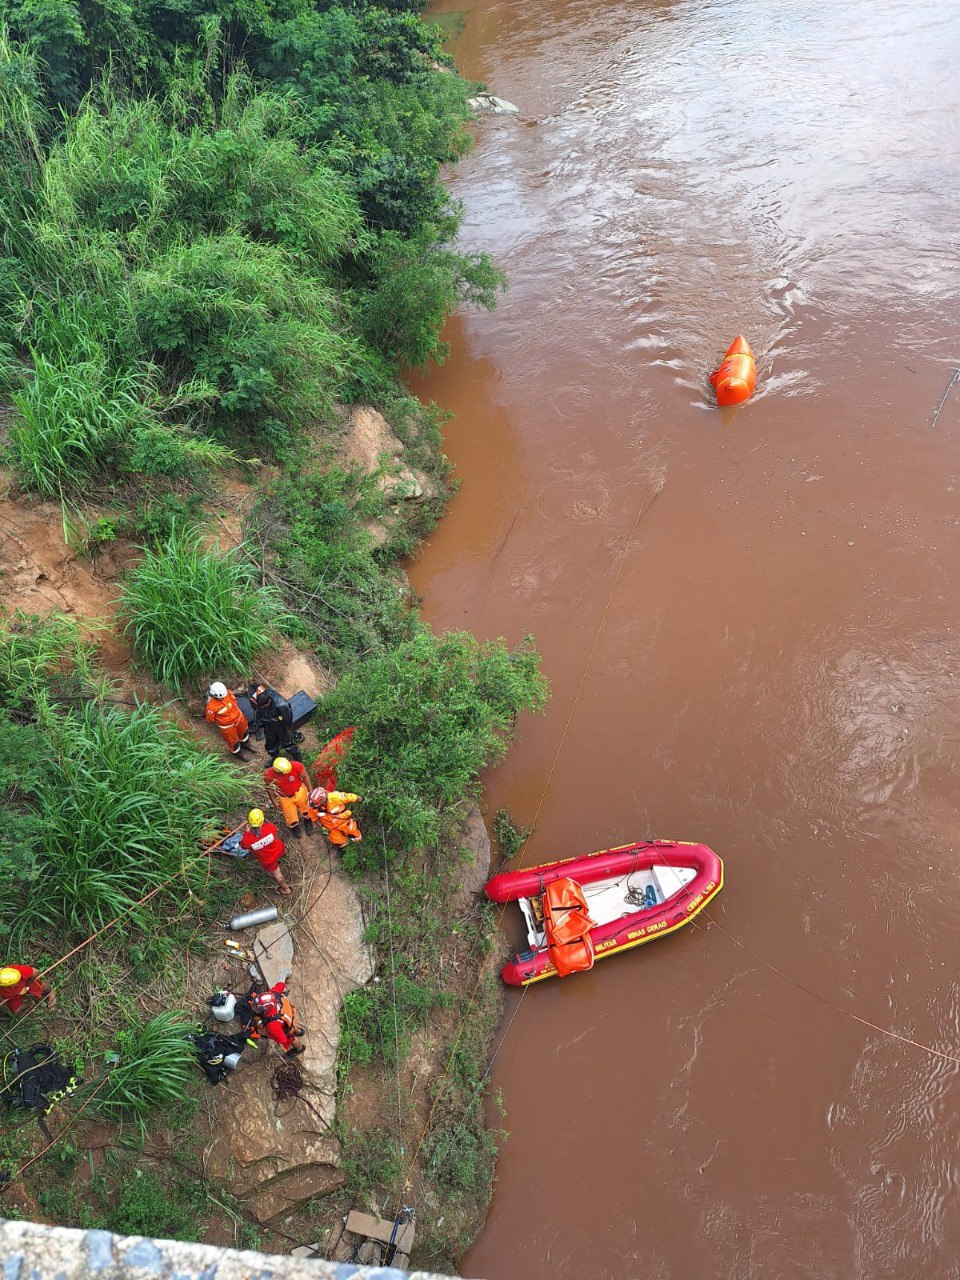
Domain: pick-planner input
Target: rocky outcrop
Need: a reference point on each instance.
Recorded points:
(486, 102)
(277, 1154)
(371, 445)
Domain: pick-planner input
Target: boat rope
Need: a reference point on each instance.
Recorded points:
(816, 995)
(642, 510)
(622, 560)
(943, 400)
(393, 990)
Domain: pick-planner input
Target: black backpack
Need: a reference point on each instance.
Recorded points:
(35, 1079)
(213, 1050)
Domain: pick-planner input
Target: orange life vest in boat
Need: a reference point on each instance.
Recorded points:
(736, 378)
(567, 925)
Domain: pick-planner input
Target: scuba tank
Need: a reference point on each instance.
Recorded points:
(223, 1006)
(218, 1055)
(263, 916)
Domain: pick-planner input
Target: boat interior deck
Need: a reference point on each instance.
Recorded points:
(609, 900)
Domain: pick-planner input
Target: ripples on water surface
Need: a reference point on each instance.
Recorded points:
(778, 673)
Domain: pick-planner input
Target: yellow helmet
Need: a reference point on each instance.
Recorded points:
(282, 765)
(255, 817)
(9, 977)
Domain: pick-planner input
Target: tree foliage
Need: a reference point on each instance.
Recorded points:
(219, 218)
(430, 714)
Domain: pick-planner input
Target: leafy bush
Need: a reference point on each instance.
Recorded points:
(193, 611)
(341, 599)
(380, 1021)
(230, 254)
(124, 797)
(157, 1064)
(241, 321)
(430, 715)
(509, 837)
(461, 1158)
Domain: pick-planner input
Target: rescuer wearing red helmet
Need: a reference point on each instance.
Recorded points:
(278, 1017)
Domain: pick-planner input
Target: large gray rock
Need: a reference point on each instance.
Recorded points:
(273, 952)
(276, 1155)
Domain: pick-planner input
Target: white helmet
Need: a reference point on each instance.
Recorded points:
(218, 690)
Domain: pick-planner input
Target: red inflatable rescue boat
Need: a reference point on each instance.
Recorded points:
(582, 909)
(736, 379)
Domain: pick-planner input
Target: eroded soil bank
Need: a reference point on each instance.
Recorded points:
(777, 674)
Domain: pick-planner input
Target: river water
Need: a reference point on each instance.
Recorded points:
(777, 670)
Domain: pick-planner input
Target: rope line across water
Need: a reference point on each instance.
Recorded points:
(816, 995)
(622, 557)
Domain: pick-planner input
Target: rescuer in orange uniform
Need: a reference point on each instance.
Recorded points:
(277, 1016)
(224, 711)
(263, 841)
(17, 981)
(290, 783)
(330, 810)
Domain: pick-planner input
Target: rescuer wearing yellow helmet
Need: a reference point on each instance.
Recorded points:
(289, 782)
(262, 839)
(17, 981)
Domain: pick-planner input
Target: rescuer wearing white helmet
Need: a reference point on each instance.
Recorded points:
(224, 711)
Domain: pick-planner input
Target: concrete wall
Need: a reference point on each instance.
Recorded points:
(29, 1251)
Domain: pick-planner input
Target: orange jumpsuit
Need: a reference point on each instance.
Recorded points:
(225, 713)
(336, 819)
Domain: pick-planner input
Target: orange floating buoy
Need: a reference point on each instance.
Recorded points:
(736, 379)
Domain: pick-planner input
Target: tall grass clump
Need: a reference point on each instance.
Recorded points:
(124, 797)
(42, 659)
(156, 1065)
(72, 418)
(195, 612)
(430, 714)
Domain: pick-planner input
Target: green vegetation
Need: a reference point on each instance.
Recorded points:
(193, 611)
(431, 714)
(238, 220)
(509, 837)
(155, 1066)
(111, 805)
(221, 225)
(130, 1199)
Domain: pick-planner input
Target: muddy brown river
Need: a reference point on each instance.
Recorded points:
(777, 672)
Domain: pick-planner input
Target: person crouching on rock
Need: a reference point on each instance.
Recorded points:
(289, 783)
(330, 808)
(277, 1016)
(263, 840)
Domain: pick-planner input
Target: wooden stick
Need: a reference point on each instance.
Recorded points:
(950, 385)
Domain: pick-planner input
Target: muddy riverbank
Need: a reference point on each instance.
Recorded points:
(777, 675)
